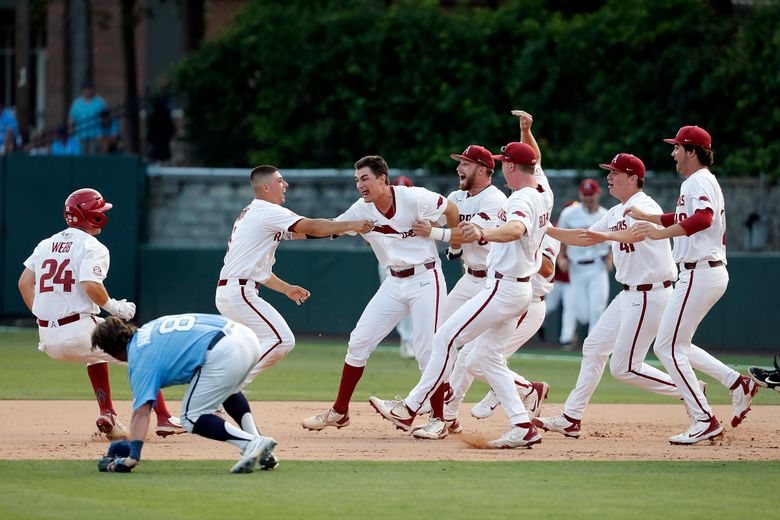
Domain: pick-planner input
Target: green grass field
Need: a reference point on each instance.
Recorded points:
(190, 489)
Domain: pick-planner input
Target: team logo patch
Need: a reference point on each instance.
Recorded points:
(97, 271)
(520, 214)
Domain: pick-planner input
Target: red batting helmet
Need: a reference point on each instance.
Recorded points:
(85, 209)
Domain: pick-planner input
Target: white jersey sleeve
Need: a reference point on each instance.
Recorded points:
(701, 191)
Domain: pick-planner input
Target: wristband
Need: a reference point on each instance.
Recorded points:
(482, 240)
(135, 449)
(441, 234)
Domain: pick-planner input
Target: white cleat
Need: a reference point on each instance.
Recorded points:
(453, 425)
(560, 424)
(394, 410)
(517, 437)
(329, 418)
(434, 429)
(535, 397)
(485, 408)
(258, 451)
(110, 425)
(699, 431)
(742, 394)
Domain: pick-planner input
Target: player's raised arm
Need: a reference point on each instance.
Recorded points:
(526, 120)
(321, 227)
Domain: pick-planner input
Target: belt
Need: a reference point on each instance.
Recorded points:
(218, 336)
(478, 273)
(692, 265)
(647, 286)
(499, 276)
(61, 321)
(405, 273)
(241, 281)
(584, 262)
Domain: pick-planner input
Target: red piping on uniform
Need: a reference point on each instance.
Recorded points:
(633, 345)
(449, 345)
(278, 337)
(521, 320)
(674, 341)
(436, 317)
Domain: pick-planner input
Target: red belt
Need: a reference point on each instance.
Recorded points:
(241, 281)
(61, 321)
(500, 276)
(692, 265)
(405, 273)
(476, 272)
(645, 286)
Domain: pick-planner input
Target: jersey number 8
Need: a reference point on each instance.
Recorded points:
(177, 324)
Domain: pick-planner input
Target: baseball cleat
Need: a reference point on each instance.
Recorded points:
(329, 418)
(170, 426)
(270, 463)
(109, 424)
(484, 408)
(523, 436)
(395, 411)
(742, 393)
(561, 424)
(433, 429)
(535, 397)
(453, 426)
(699, 431)
(258, 451)
(766, 378)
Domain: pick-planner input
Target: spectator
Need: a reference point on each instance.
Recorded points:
(85, 116)
(65, 144)
(160, 130)
(9, 130)
(109, 133)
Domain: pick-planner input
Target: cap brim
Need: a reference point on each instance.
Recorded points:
(671, 141)
(608, 167)
(500, 158)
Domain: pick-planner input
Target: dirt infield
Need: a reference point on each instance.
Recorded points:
(66, 430)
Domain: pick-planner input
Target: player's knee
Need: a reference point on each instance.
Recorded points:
(619, 370)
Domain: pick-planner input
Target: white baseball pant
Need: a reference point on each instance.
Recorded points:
(404, 327)
(489, 318)
(242, 304)
(421, 295)
(73, 342)
(587, 296)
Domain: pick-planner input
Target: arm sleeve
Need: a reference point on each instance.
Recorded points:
(699, 221)
(487, 216)
(667, 219)
(94, 264)
(519, 209)
(430, 205)
(351, 214)
(601, 225)
(281, 219)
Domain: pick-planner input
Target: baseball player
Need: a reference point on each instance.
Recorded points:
(415, 284)
(211, 354)
(766, 378)
(490, 316)
(256, 234)
(587, 266)
(62, 284)
(698, 229)
(627, 327)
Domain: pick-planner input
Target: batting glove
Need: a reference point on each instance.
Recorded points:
(453, 254)
(120, 308)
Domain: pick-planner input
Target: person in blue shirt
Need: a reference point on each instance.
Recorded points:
(84, 115)
(210, 353)
(109, 133)
(65, 144)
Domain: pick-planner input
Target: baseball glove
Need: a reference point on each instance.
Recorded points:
(113, 460)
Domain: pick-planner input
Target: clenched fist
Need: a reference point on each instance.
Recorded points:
(362, 226)
(120, 308)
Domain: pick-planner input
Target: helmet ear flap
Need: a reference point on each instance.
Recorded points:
(85, 209)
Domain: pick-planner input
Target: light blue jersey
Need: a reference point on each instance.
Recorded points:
(168, 351)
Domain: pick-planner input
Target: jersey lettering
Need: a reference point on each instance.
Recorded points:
(619, 226)
(177, 324)
(59, 274)
(278, 236)
(61, 247)
(679, 217)
(627, 248)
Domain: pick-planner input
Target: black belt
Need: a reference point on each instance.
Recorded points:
(405, 273)
(584, 262)
(477, 272)
(218, 336)
(500, 276)
(692, 265)
(61, 321)
(645, 286)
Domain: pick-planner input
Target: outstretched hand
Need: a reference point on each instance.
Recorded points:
(526, 119)
(297, 294)
(636, 214)
(645, 230)
(592, 237)
(362, 226)
(422, 228)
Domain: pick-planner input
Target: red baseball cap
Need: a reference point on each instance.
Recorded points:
(476, 154)
(626, 163)
(589, 187)
(693, 136)
(403, 180)
(518, 153)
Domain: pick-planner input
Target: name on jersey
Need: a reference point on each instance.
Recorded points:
(681, 201)
(61, 247)
(484, 216)
(620, 226)
(390, 230)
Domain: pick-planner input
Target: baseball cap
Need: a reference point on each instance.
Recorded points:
(477, 154)
(518, 153)
(626, 163)
(403, 180)
(693, 136)
(589, 187)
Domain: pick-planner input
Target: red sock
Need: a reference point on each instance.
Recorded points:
(437, 401)
(98, 376)
(349, 379)
(160, 408)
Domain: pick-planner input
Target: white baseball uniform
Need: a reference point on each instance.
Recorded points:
(587, 273)
(703, 278)
(490, 317)
(415, 284)
(629, 324)
(256, 234)
(527, 325)
(66, 315)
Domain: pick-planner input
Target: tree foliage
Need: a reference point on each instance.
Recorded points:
(322, 83)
